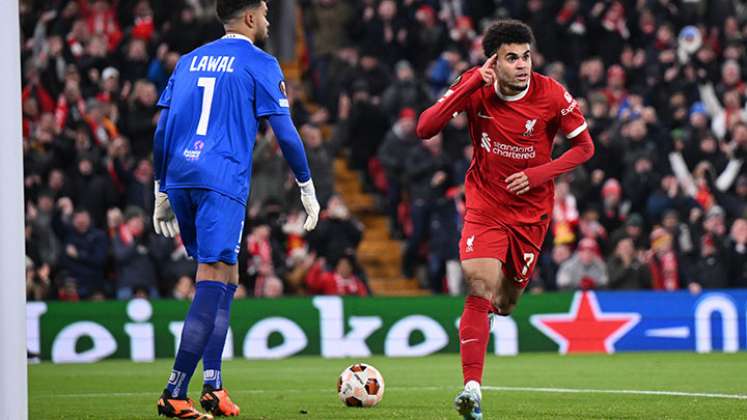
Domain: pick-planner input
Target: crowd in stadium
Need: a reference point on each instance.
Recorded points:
(662, 204)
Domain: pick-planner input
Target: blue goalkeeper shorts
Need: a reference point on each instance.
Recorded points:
(210, 223)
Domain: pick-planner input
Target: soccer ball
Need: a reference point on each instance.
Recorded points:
(360, 385)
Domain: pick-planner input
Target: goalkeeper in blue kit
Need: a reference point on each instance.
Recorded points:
(202, 153)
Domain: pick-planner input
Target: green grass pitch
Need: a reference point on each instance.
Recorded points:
(417, 388)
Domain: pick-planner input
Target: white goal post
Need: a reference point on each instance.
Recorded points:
(13, 369)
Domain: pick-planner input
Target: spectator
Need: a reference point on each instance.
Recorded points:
(392, 155)
(181, 35)
(680, 232)
(632, 229)
(38, 282)
(84, 251)
(669, 195)
(338, 233)
(320, 157)
(386, 34)
(171, 261)
(710, 269)
(640, 181)
(405, 91)
(260, 264)
(134, 267)
(456, 140)
(268, 173)
(614, 210)
(551, 263)
(362, 126)
(444, 70)
(627, 270)
(135, 65)
(736, 257)
(431, 38)
(667, 270)
(269, 286)
(140, 117)
(564, 215)
(589, 227)
(342, 281)
(330, 22)
(373, 74)
(93, 192)
(432, 212)
(585, 269)
(40, 218)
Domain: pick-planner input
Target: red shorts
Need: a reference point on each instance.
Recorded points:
(517, 247)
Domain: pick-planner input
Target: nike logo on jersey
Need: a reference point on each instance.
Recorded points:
(468, 341)
(481, 115)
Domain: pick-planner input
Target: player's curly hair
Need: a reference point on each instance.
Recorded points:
(227, 10)
(506, 31)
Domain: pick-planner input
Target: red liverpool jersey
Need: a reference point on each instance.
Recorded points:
(509, 135)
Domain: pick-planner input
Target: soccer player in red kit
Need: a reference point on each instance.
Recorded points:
(514, 115)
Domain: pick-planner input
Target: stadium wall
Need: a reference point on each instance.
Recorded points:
(331, 326)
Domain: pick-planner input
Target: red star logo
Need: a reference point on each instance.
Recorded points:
(585, 329)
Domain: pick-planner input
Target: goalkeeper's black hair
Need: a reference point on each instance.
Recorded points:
(227, 10)
(506, 31)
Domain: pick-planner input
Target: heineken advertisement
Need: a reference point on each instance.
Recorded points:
(331, 326)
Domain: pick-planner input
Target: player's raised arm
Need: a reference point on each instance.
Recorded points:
(435, 118)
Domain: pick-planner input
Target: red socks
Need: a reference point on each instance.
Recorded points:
(474, 332)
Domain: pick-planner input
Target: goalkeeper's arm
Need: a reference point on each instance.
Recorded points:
(164, 220)
(292, 148)
(158, 145)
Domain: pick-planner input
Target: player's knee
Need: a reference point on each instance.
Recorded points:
(504, 304)
(216, 271)
(479, 283)
(478, 287)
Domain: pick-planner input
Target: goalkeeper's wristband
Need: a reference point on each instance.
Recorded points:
(307, 187)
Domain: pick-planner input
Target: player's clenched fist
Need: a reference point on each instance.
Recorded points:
(164, 220)
(487, 71)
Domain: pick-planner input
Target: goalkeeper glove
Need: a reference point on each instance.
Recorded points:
(310, 204)
(164, 220)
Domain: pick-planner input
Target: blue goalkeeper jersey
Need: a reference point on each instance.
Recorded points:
(215, 97)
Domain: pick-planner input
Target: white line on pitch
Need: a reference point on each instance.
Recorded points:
(437, 388)
(616, 391)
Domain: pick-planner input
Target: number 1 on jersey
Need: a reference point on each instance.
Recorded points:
(208, 84)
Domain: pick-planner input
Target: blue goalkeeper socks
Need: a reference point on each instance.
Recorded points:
(198, 326)
(211, 359)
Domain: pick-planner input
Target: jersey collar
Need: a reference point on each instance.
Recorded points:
(516, 97)
(234, 35)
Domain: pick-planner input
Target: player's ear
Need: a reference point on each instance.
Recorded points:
(249, 18)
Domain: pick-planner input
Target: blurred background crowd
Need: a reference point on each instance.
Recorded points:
(661, 205)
